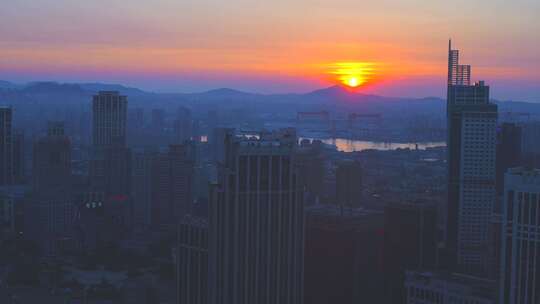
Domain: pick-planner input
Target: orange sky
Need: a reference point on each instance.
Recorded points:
(168, 41)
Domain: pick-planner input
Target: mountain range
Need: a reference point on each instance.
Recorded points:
(325, 98)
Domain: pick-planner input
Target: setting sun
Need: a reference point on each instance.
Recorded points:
(353, 82)
(353, 74)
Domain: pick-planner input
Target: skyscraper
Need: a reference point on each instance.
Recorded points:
(183, 125)
(109, 110)
(349, 184)
(410, 242)
(257, 223)
(172, 184)
(192, 261)
(472, 143)
(109, 166)
(520, 250)
(6, 146)
(50, 211)
(52, 160)
(508, 151)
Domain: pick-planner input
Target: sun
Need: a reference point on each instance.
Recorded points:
(353, 74)
(353, 82)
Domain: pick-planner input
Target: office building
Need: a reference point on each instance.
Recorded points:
(19, 161)
(520, 242)
(157, 122)
(410, 242)
(310, 161)
(343, 255)
(183, 125)
(6, 146)
(51, 168)
(51, 210)
(508, 151)
(349, 183)
(256, 223)
(192, 261)
(172, 184)
(109, 113)
(141, 190)
(217, 142)
(472, 144)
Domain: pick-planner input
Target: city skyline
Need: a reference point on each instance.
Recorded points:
(257, 48)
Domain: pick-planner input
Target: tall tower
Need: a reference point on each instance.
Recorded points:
(50, 210)
(472, 143)
(256, 224)
(109, 110)
(520, 248)
(6, 146)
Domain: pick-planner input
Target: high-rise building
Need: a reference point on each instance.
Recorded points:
(217, 142)
(508, 151)
(109, 110)
(51, 168)
(410, 242)
(340, 266)
(50, 211)
(192, 261)
(157, 122)
(349, 183)
(520, 249)
(311, 170)
(172, 184)
(183, 125)
(472, 143)
(256, 223)
(141, 190)
(6, 146)
(19, 164)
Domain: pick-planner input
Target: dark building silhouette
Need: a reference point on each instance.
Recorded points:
(6, 146)
(348, 183)
(508, 151)
(172, 184)
(157, 122)
(256, 223)
(50, 212)
(141, 187)
(109, 163)
(19, 161)
(410, 242)
(192, 261)
(217, 142)
(520, 248)
(311, 169)
(183, 125)
(109, 114)
(471, 146)
(343, 256)
(117, 170)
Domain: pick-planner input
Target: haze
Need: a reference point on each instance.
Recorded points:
(271, 46)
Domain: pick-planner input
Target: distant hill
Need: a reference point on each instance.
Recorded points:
(96, 87)
(8, 85)
(331, 98)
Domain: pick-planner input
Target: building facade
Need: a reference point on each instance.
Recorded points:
(472, 144)
(520, 242)
(192, 261)
(109, 111)
(256, 223)
(6, 146)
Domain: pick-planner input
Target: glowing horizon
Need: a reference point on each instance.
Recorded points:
(275, 46)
